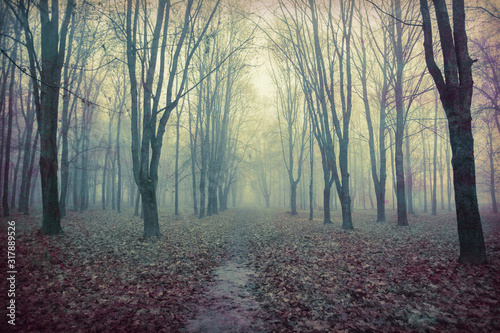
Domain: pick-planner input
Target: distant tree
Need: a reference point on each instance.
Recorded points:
(492, 151)
(319, 46)
(455, 91)
(292, 121)
(383, 60)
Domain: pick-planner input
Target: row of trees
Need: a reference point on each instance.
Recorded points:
(320, 42)
(347, 78)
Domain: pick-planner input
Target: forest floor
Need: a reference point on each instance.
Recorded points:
(252, 271)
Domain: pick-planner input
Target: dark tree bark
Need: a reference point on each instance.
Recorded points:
(29, 118)
(455, 91)
(66, 120)
(400, 121)
(448, 176)
(119, 164)
(18, 163)
(3, 93)
(146, 152)
(8, 142)
(317, 77)
(53, 47)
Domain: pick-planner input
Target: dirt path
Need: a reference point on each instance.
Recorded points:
(228, 305)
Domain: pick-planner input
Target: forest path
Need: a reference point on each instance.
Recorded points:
(228, 305)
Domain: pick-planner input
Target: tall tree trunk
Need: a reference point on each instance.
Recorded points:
(441, 174)
(53, 47)
(65, 122)
(434, 163)
(393, 171)
(409, 176)
(10, 116)
(311, 166)
(84, 181)
(3, 93)
(177, 136)
(14, 184)
(113, 181)
(424, 162)
(192, 145)
(455, 92)
(400, 121)
(30, 173)
(29, 122)
(119, 165)
(491, 156)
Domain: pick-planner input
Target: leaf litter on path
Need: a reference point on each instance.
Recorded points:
(286, 274)
(228, 305)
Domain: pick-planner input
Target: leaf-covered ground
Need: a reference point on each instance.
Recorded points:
(101, 276)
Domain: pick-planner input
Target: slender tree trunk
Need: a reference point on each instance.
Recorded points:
(84, 181)
(393, 171)
(94, 190)
(293, 198)
(65, 122)
(10, 116)
(409, 176)
(326, 192)
(400, 122)
(137, 203)
(192, 144)
(3, 92)
(119, 165)
(113, 181)
(105, 168)
(30, 173)
(29, 122)
(491, 156)
(424, 144)
(177, 135)
(14, 184)
(434, 163)
(311, 165)
(441, 174)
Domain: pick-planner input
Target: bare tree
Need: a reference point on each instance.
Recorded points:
(292, 121)
(146, 155)
(46, 76)
(383, 58)
(323, 63)
(455, 91)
